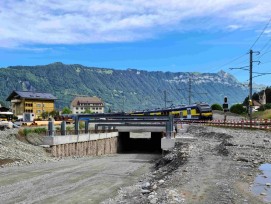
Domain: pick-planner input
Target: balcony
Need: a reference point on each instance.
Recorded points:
(15, 101)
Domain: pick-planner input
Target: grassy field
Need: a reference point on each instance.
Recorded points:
(262, 114)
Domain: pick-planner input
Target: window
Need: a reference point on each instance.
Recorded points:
(28, 104)
(38, 105)
(38, 111)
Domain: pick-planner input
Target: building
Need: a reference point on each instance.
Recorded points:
(262, 97)
(31, 102)
(82, 104)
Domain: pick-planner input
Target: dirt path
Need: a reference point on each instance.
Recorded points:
(82, 180)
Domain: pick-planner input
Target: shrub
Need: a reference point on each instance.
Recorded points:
(238, 109)
(40, 130)
(81, 125)
(26, 131)
(216, 106)
(265, 107)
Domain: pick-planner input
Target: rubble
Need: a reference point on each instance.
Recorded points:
(217, 166)
(15, 152)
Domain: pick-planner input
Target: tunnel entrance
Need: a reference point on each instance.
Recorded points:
(139, 145)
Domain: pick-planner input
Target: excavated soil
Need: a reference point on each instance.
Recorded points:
(216, 166)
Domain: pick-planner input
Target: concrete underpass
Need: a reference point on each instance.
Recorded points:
(129, 144)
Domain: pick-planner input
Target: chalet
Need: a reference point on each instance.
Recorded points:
(31, 102)
(82, 104)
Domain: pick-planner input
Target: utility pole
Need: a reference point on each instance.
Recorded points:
(189, 91)
(165, 98)
(250, 85)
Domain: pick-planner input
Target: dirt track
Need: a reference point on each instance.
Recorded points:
(82, 180)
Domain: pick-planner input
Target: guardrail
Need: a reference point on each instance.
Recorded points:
(262, 124)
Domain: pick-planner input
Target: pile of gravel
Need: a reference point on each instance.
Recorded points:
(16, 152)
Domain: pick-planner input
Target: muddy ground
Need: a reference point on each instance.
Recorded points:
(217, 166)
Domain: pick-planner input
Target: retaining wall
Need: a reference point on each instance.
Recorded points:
(82, 145)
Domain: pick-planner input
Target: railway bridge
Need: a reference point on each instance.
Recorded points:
(109, 134)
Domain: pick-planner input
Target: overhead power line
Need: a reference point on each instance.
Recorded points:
(260, 34)
(265, 45)
(231, 61)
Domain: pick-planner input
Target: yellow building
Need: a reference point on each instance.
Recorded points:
(31, 102)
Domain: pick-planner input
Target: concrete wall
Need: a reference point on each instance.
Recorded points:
(82, 145)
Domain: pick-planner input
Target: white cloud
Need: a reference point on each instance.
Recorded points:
(30, 22)
(234, 27)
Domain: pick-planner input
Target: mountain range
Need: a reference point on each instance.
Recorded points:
(126, 90)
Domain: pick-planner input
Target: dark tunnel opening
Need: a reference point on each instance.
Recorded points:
(139, 145)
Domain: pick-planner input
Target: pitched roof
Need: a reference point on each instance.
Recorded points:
(93, 100)
(31, 95)
(256, 103)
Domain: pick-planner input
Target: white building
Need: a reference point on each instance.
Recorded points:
(81, 104)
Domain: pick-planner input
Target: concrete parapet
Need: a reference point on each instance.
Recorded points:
(57, 140)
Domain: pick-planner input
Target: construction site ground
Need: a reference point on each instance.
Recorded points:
(212, 165)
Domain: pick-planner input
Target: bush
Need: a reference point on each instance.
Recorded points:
(265, 107)
(216, 106)
(81, 125)
(26, 131)
(40, 130)
(238, 109)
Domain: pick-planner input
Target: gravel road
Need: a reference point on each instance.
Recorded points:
(81, 180)
(212, 165)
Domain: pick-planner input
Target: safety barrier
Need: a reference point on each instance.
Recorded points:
(263, 124)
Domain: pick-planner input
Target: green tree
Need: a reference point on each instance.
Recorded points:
(54, 113)
(44, 115)
(217, 106)
(256, 96)
(265, 107)
(88, 111)
(66, 110)
(2, 104)
(245, 103)
(238, 109)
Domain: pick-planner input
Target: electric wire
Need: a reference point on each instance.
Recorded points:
(261, 34)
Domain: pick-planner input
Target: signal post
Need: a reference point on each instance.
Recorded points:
(225, 108)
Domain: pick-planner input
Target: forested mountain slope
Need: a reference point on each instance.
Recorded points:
(129, 89)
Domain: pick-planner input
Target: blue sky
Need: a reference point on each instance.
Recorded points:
(164, 35)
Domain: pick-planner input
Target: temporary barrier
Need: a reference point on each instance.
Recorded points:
(263, 124)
